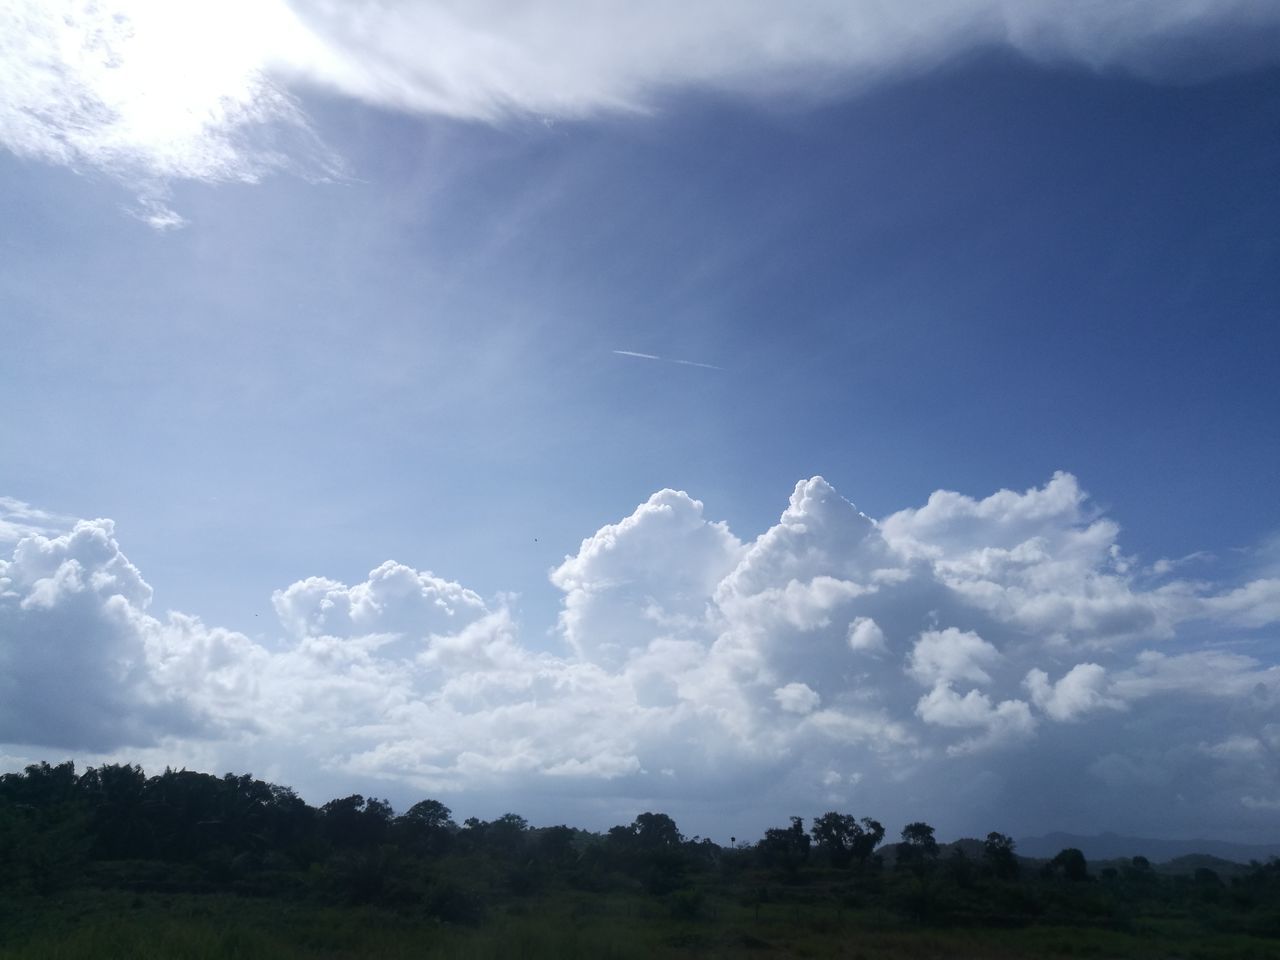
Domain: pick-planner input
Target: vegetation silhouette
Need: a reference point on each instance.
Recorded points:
(112, 856)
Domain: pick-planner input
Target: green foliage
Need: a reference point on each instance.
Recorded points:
(688, 905)
(113, 863)
(918, 848)
(354, 821)
(1069, 864)
(656, 831)
(430, 815)
(785, 848)
(998, 856)
(843, 840)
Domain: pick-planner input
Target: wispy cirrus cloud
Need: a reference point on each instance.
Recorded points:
(500, 58)
(154, 92)
(19, 519)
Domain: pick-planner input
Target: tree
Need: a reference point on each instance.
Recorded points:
(354, 821)
(1070, 864)
(291, 820)
(651, 847)
(865, 843)
(958, 867)
(44, 827)
(120, 824)
(918, 845)
(430, 815)
(655, 831)
(43, 784)
(786, 847)
(555, 844)
(507, 833)
(621, 837)
(427, 826)
(647, 832)
(842, 839)
(505, 836)
(997, 853)
(1140, 871)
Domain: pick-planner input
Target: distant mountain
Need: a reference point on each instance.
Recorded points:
(1110, 846)
(1201, 861)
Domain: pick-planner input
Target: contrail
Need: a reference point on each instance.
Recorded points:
(632, 353)
(650, 356)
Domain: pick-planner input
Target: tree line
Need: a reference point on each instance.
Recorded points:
(112, 826)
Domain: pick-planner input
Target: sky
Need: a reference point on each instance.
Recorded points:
(590, 408)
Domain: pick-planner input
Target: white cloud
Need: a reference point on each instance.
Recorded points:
(1198, 674)
(73, 665)
(1000, 723)
(695, 667)
(19, 519)
(1040, 560)
(797, 698)
(1256, 604)
(820, 534)
(153, 91)
(943, 656)
(651, 574)
(951, 522)
(865, 636)
(395, 599)
(489, 59)
(1081, 690)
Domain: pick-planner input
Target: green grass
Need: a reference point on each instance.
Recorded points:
(81, 925)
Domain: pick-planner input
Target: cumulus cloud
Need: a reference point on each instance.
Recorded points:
(153, 91)
(695, 667)
(998, 723)
(395, 599)
(943, 656)
(648, 575)
(1082, 690)
(73, 665)
(1040, 560)
(866, 636)
(797, 698)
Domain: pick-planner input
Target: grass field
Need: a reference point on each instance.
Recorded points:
(90, 925)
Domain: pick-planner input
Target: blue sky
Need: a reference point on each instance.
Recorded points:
(382, 322)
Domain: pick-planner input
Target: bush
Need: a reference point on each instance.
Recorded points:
(453, 904)
(687, 905)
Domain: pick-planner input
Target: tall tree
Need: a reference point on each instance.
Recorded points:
(786, 847)
(918, 845)
(842, 839)
(655, 831)
(1070, 864)
(998, 855)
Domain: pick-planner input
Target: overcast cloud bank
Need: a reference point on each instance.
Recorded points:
(154, 92)
(962, 661)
